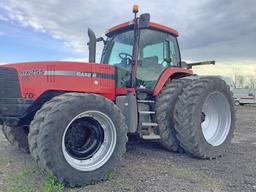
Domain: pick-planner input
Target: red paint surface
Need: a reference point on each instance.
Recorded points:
(151, 25)
(124, 91)
(164, 28)
(167, 74)
(117, 27)
(38, 84)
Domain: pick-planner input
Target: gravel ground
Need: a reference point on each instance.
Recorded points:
(148, 167)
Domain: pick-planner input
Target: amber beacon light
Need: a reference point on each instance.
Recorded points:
(135, 8)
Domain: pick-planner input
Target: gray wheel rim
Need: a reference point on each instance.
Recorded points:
(217, 122)
(104, 152)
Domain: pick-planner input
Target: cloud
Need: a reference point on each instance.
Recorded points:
(219, 29)
(218, 21)
(3, 18)
(76, 59)
(239, 49)
(229, 69)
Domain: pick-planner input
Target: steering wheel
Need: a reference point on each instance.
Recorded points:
(125, 56)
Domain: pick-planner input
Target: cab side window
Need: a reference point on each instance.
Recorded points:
(174, 51)
(155, 50)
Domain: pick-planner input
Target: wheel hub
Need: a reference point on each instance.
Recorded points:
(89, 140)
(84, 138)
(216, 118)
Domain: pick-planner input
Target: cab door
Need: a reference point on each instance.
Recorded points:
(158, 51)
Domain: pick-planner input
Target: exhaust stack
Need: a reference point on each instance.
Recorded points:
(92, 45)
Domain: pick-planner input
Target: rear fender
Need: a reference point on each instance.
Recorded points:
(170, 73)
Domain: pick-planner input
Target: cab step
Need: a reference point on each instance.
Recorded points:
(145, 101)
(147, 112)
(151, 136)
(149, 124)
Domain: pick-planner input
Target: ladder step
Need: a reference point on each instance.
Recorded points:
(147, 112)
(151, 136)
(149, 124)
(145, 90)
(145, 101)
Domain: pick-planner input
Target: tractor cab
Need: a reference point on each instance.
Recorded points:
(157, 51)
(140, 50)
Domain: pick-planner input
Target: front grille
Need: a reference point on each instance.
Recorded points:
(9, 83)
(11, 102)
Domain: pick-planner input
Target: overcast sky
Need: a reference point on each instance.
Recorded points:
(224, 30)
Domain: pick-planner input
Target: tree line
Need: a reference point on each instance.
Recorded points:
(244, 81)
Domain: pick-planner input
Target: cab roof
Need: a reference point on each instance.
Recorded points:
(128, 25)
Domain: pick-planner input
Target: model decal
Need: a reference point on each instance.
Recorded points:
(32, 72)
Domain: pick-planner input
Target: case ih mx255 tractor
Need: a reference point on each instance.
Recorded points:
(74, 117)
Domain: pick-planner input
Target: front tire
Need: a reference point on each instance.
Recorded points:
(16, 137)
(205, 118)
(81, 138)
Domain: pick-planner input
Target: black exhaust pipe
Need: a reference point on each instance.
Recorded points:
(92, 46)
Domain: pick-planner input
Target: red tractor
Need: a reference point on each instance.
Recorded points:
(74, 117)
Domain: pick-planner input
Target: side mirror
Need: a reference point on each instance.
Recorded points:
(250, 94)
(101, 39)
(144, 20)
(92, 45)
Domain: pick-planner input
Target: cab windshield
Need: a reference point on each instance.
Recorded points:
(157, 51)
(117, 48)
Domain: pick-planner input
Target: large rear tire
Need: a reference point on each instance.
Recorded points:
(165, 103)
(16, 137)
(205, 118)
(80, 139)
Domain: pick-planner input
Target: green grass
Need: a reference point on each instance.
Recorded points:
(110, 175)
(52, 185)
(18, 181)
(25, 180)
(71, 190)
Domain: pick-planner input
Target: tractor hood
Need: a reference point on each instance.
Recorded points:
(36, 78)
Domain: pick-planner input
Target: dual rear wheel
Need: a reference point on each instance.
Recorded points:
(196, 116)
